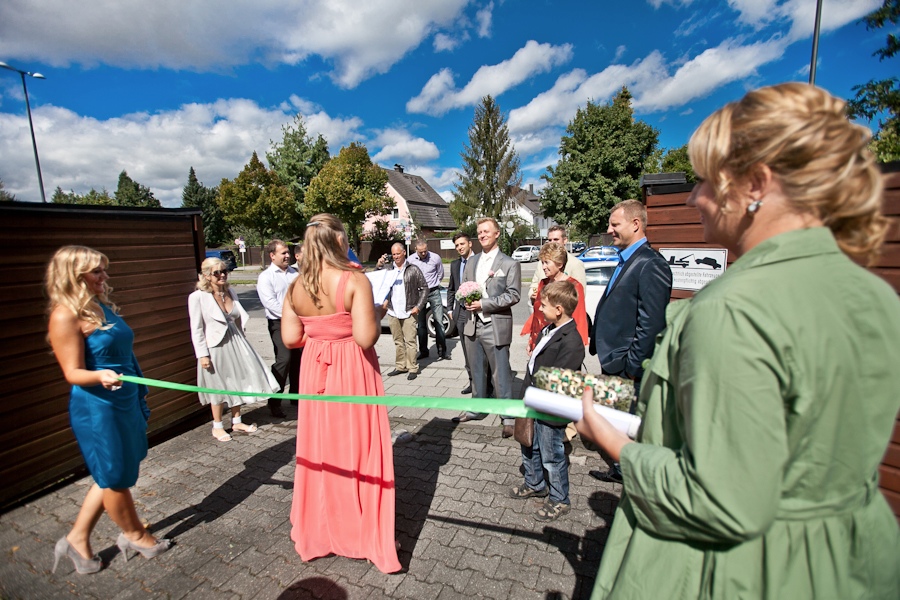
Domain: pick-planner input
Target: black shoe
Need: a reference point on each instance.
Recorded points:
(442, 354)
(422, 355)
(466, 417)
(396, 372)
(611, 476)
(466, 390)
(412, 376)
(276, 412)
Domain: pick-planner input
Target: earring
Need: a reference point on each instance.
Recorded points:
(753, 207)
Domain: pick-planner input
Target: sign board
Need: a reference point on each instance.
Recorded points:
(693, 268)
(510, 227)
(545, 231)
(447, 245)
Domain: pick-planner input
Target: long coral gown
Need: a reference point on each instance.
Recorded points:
(344, 481)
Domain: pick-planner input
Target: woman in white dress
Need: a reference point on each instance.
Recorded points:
(226, 360)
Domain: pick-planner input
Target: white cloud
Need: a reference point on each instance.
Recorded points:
(445, 43)
(400, 145)
(620, 52)
(440, 94)
(658, 3)
(801, 14)
(78, 152)
(207, 35)
(755, 13)
(484, 17)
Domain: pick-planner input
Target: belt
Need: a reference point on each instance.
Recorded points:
(437, 287)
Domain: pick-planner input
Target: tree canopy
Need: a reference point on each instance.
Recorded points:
(197, 195)
(351, 188)
(101, 198)
(297, 159)
(490, 166)
(131, 193)
(256, 199)
(4, 195)
(881, 98)
(602, 156)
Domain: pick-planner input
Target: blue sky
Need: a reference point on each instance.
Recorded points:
(157, 87)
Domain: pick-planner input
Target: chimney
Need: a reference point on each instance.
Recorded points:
(398, 167)
(531, 188)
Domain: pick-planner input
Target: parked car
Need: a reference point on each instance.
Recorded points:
(599, 253)
(526, 253)
(226, 256)
(449, 326)
(597, 275)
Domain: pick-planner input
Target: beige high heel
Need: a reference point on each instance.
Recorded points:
(84, 566)
(158, 548)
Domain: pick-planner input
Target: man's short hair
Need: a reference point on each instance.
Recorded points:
(560, 293)
(460, 234)
(634, 209)
(298, 248)
(486, 219)
(272, 246)
(560, 229)
(421, 242)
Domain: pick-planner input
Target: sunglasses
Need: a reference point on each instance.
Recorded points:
(219, 273)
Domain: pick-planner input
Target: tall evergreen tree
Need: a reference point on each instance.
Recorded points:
(602, 156)
(197, 195)
(297, 159)
(490, 166)
(131, 193)
(351, 188)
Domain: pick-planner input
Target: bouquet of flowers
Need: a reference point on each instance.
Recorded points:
(609, 390)
(469, 292)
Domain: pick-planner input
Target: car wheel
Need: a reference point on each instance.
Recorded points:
(445, 322)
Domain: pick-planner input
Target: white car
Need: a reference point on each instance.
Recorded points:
(597, 275)
(526, 253)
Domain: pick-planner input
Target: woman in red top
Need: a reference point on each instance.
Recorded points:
(553, 259)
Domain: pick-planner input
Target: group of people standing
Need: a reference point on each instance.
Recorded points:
(767, 401)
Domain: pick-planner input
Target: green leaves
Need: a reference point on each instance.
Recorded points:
(197, 195)
(256, 199)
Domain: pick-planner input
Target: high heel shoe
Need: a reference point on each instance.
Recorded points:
(84, 566)
(125, 545)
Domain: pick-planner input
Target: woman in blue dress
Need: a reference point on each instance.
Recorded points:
(93, 346)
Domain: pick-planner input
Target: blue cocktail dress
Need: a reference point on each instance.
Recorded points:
(111, 426)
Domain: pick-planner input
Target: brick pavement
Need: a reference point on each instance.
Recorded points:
(227, 505)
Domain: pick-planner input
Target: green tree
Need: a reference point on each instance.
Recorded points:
(101, 198)
(257, 200)
(383, 231)
(131, 193)
(351, 188)
(490, 166)
(881, 98)
(602, 156)
(676, 160)
(297, 159)
(6, 196)
(197, 195)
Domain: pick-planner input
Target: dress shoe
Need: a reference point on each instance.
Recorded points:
(276, 412)
(124, 544)
(412, 376)
(466, 390)
(442, 355)
(396, 372)
(466, 417)
(614, 475)
(422, 355)
(84, 566)
(508, 431)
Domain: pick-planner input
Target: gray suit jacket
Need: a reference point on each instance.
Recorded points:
(503, 291)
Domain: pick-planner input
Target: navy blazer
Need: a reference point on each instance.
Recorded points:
(458, 312)
(630, 314)
(565, 350)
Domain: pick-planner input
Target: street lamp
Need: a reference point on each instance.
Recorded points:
(37, 161)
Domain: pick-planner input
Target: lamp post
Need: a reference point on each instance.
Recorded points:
(37, 161)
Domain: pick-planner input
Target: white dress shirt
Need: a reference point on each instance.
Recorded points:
(482, 274)
(272, 287)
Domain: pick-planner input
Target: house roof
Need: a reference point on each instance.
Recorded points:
(427, 209)
(529, 200)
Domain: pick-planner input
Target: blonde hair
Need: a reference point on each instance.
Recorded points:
(206, 268)
(486, 220)
(325, 243)
(554, 252)
(65, 286)
(560, 293)
(820, 158)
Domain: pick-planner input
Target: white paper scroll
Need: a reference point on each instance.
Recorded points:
(570, 408)
(381, 281)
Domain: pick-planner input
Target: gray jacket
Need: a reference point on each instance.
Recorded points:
(503, 291)
(415, 286)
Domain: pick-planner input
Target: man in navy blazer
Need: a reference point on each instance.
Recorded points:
(632, 310)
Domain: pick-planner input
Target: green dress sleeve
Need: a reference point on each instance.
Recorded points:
(722, 485)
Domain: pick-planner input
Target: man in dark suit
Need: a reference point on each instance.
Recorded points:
(488, 329)
(457, 310)
(632, 310)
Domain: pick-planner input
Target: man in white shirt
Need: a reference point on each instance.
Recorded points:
(404, 303)
(272, 287)
(489, 327)
(574, 267)
(433, 269)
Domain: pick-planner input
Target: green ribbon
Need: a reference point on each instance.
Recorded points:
(499, 406)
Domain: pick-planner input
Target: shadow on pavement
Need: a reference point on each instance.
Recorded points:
(314, 587)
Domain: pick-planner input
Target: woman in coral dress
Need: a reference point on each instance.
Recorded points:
(344, 483)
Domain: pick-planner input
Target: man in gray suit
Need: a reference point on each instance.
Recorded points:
(488, 328)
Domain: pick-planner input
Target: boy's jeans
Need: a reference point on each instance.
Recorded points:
(547, 452)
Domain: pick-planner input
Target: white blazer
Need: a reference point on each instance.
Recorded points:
(208, 324)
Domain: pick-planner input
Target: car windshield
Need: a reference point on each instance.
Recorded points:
(598, 276)
(524, 249)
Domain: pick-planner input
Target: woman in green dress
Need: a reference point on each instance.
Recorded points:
(771, 396)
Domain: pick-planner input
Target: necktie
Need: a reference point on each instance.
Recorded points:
(462, 269)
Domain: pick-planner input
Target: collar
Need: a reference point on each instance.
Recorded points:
(791, 245)
(274, 267)
(492, 254)
(625, 254)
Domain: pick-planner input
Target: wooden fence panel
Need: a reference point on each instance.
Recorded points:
(154, 256)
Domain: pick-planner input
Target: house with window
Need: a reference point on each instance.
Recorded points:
(524, 206)
(417, 207)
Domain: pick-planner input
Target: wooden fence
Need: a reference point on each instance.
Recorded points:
(154, 260)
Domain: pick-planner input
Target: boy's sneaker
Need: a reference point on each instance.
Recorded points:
(523, 491)
(551, 511)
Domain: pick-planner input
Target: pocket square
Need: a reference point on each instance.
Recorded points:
(499, 273)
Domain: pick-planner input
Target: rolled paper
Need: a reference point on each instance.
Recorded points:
(609, 390)
(571, 409)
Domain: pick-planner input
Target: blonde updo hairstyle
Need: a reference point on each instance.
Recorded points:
(325, 243)
(65, 285)
(819, 157)
(206, 268)
(555, 253)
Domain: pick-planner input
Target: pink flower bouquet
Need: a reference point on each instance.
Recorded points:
(469, 292)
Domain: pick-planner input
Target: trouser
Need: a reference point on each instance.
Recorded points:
(488, 360)
(547, 452)
(286, 367)
(404, 333)
(434, 309)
